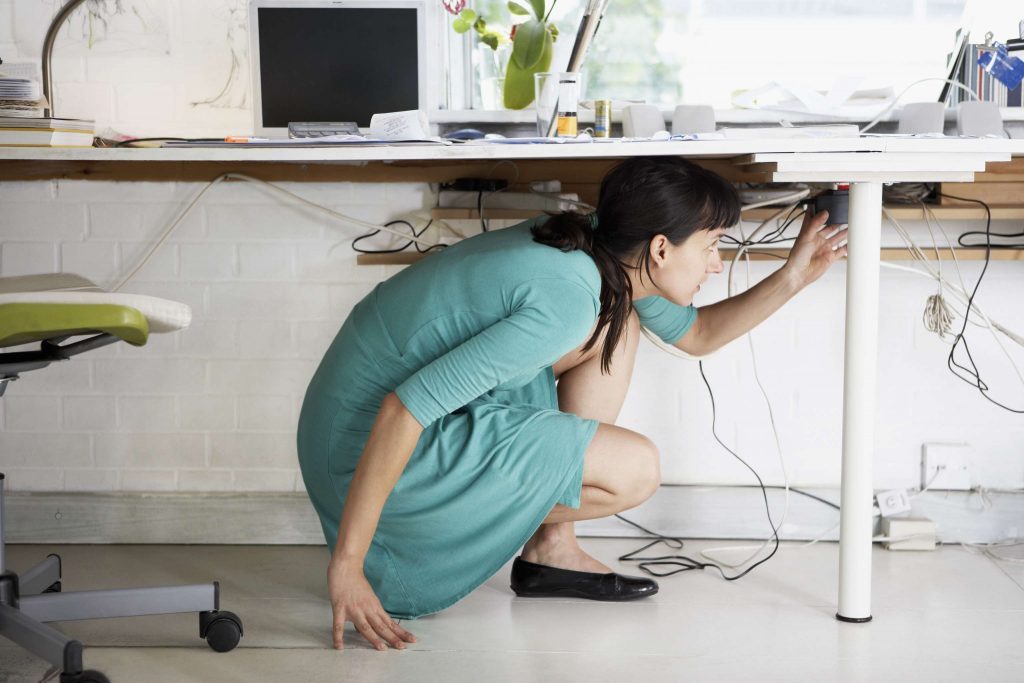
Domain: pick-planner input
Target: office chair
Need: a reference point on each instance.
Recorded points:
(51, 309)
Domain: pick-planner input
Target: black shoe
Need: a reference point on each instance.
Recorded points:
(531, 580)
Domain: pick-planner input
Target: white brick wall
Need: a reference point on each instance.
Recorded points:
(213, 408)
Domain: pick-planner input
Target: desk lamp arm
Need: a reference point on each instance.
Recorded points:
(51, 37)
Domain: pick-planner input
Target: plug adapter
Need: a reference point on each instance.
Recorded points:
(911, 533)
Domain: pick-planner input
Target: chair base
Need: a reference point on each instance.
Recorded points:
(29, 601)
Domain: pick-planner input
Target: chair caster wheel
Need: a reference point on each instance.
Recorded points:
(89, 676)
(222, 630)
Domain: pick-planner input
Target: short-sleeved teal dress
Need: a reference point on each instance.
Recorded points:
(466, 339)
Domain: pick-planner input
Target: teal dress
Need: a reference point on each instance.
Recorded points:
(466, 339)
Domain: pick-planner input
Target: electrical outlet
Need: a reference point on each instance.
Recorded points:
(892, 502)
(945, 466)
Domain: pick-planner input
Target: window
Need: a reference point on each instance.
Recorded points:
(669, 52)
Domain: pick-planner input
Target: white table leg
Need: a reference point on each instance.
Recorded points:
(859, 387)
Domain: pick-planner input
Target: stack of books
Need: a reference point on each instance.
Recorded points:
(24, 131)
(20, 90)
(22, 123)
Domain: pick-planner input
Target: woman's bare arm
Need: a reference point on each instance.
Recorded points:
(392, 440)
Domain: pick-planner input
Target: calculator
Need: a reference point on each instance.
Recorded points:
(314, 129)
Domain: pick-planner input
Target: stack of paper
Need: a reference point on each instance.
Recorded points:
(20, 90)
(19, 131)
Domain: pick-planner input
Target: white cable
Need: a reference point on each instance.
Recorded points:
(167, 231)
(788, 199)
(904, 92)
(241, 176)
(957, 291)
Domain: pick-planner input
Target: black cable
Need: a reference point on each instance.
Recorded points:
(677, 543)
(683, 563)
(972, 375)
(355, 242)
(480, 210)
(996, 235)
(129, 143)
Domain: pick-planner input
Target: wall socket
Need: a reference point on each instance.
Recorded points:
(946, 466)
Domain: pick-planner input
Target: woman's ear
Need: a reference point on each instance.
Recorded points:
(659, 249)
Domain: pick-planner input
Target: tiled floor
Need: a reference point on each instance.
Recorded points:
(947, 615)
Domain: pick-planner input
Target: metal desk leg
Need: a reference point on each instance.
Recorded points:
(859, 398)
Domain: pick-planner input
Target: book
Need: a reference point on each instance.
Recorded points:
(23, 131)
(20, 89)
(47, 123)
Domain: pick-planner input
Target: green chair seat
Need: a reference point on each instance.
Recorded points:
(24, 323)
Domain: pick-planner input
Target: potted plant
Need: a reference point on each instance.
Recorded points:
(532, 37)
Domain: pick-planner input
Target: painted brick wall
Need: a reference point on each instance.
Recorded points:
(213, 408)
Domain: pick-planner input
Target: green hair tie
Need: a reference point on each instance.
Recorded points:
(593, 220)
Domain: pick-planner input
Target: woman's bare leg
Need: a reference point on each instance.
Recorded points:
(621, 467)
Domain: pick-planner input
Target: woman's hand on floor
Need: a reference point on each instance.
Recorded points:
(352, 599)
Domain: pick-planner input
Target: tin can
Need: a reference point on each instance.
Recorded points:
(602, 118)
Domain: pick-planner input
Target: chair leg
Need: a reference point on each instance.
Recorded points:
(41, 577)
(41, 640)
(128, 602)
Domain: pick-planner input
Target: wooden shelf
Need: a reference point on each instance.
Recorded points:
(899, 212)
(495, 214)
(887, 254)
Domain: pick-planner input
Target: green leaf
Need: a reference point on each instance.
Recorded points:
(490, 40)
(516, 8)
(480, 25)
(538, 7)
(467, 15)
(519, 88)
(460, 26)
(528, 45)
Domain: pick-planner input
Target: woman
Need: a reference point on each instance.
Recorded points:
(433, 440)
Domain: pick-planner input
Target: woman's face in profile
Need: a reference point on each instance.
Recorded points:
(680, 270)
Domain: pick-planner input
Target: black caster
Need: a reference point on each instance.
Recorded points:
(222, 630)
(53, 588)
(84, 677)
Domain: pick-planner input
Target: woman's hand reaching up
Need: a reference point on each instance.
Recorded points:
(817, 247)
(352, 599)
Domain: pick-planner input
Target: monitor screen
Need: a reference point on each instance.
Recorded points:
(336, 63)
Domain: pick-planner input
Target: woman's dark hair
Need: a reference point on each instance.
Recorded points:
(639, 199)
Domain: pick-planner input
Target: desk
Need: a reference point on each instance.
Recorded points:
(866, 163)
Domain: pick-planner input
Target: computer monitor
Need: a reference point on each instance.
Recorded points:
(335, 60)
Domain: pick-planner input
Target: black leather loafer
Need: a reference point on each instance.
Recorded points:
(531, 580)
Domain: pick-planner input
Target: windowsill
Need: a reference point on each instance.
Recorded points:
(722, 116)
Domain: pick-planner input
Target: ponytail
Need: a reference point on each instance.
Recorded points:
(579, 232)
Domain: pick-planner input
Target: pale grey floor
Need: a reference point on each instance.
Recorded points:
(947, 615)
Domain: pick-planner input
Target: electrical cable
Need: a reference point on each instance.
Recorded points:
(959, 292)
(892, 106)
(972, 375)
(774, 236)
(682, 563)
(241, 176)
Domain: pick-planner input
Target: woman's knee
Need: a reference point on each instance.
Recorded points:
(648, 469)
(624, 463)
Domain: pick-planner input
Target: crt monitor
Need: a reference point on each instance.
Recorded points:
(340, 60)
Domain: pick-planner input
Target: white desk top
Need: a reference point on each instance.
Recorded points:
(611, 150)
